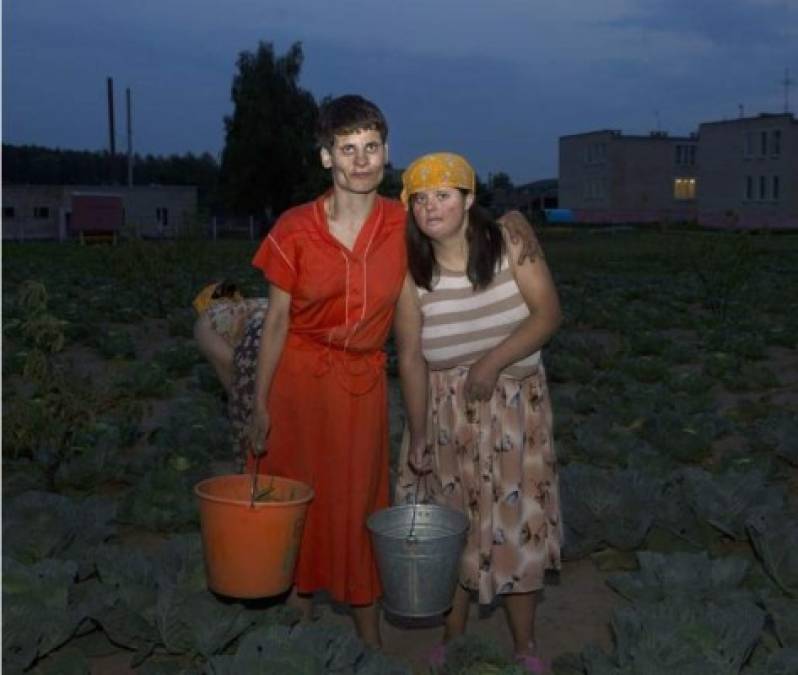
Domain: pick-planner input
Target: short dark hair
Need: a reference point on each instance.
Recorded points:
(346, 115)
(485, 249)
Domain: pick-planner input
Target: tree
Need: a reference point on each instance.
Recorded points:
(500, 181)
(270, 160)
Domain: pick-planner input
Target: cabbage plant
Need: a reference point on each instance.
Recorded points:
(694, 575)
(602, 506)
(680, 636)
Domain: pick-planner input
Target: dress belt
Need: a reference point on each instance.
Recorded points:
(356, 371)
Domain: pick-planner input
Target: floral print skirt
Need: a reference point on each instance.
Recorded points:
(495, 461)
(241, 324)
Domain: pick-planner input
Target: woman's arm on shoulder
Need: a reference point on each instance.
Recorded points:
(536, 287)
(412, 372)
(519, 230)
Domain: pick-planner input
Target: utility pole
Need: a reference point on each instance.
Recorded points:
(111, 130)
(129, 140)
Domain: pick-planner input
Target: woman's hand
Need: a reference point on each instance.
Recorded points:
(259, 430)
(418, 458)
(480, 381)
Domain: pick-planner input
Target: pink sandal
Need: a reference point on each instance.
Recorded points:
(437, 656)
(533, 664)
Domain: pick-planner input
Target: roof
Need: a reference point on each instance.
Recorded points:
(756, 118)
(619, 135)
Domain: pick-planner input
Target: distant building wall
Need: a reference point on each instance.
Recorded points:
(160, 210)
(736, 173)
(749, 172)
(32, 211)
(44, 211)
(608, 177)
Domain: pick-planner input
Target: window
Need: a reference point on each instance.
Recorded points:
(749, 144)
(162, 216)
(774, 188)
(596, 153)
(684, 188)
(685, 155)
(8, 212)
(763, 188)
(594, 189)
(749, 187)
(763, 143)
(41, 212)
(775, 142)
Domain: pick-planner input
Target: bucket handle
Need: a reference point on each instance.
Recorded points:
(411, 536)
(253, 486)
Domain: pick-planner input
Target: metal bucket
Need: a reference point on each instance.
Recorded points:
(419, 560)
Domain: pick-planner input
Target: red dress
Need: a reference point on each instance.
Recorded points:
(328, 399)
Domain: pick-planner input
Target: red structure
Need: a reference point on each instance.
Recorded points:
(96, 214)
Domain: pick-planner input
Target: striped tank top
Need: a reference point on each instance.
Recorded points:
(461, 325)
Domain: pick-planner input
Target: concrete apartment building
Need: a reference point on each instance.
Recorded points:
(45, 211)
(607, 177)
(732, 173)
(749, 172)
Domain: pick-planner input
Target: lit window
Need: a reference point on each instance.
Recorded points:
(684, 188)
(41, 212)
(8, 212)
(775, 142)
(774, 189)
(763, 188)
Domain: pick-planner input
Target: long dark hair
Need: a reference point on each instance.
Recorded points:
(485, 249)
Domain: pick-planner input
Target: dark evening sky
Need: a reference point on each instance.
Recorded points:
(498, 81)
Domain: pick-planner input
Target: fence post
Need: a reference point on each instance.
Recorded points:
(61, 224)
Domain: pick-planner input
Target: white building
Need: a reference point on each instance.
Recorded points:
(45, 211)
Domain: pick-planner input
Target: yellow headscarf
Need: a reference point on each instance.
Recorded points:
(213, 293)
(439, 169)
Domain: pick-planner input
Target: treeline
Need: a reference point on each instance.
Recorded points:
(36, 165)
(270, 159)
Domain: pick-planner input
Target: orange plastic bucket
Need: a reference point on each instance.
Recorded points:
(251, 549)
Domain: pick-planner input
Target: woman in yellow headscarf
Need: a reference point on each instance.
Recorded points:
(470, 323)
(228, 331)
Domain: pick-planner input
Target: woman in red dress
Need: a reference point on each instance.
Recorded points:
(335, 267)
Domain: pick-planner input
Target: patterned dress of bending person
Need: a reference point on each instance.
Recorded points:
(240, 324)
(493, 460)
